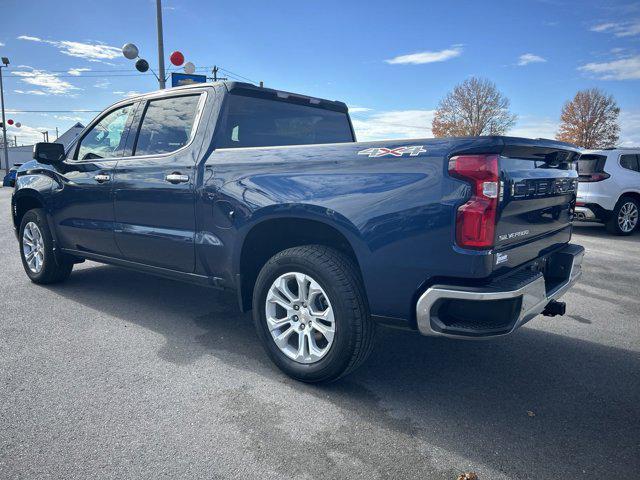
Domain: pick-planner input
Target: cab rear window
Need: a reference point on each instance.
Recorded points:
(260, 122)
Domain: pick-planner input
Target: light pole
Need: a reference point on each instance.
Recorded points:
(161, 77)
(5, 63)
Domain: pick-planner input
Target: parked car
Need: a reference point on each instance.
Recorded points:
(609, 188)
(10, 177)
(267, 192)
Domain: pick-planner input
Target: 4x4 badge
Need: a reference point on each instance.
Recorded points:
(413, 151)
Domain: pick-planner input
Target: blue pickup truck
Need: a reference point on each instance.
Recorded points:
(268, 193)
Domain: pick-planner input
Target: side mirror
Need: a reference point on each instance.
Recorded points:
(48, 153)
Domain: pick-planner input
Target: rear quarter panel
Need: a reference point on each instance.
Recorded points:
(397, 212)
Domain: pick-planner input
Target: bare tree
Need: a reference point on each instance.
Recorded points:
(474, 107)
(590, 120)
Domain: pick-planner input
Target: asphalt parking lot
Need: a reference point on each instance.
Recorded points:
(116, 374)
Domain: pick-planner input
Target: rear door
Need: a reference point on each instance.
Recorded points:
(154, 187)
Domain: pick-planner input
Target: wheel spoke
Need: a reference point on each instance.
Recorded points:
(302, 346)
(325, 331)
(277, 323)
(315, 352)
(282, 287)
(282, 340)
(302, 282)
(275, 297)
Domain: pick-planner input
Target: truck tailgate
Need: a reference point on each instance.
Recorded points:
(538, 194)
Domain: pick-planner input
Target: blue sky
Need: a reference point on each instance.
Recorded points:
(390, 61)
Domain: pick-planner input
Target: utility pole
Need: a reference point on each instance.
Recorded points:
(5, 63)
(57, 136)
(161, 74)
(215, 74)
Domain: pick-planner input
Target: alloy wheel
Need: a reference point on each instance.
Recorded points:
(33, 247)
(300, 317)
(628, 217)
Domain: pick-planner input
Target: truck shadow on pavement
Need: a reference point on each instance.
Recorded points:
(535, 405)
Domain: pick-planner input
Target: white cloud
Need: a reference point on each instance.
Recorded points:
(70, 118)
(30, 38)
(28, 135)
(76, 72)
(93, 52)
(527, 58)
(630, 28)
(102, 84)
(31, 92)
(621, 69)
(427, 57)
(130, 93)
(535, 127)
(48, 82)
(629, 129)
(2, 44)
(394, 124)
(357, 109)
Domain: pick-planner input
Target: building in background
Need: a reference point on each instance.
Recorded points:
(25, 153)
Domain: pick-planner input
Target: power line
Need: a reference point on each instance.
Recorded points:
(54, 111)
(229, 72)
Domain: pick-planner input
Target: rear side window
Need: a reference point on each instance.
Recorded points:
(630, 162)
(259, 122)
(590, 164)
(167, 125)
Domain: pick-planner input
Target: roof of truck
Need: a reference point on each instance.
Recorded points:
(251, 90)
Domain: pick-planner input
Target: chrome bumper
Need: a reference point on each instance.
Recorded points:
(534, 297)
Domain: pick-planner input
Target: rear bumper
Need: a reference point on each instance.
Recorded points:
(502, 306)
(585, 214)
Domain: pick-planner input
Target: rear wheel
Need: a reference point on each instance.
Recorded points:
(310, 313)
(624, 218)
(36, 250)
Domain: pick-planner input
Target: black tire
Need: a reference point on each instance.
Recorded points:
(613, 224)
(54, 269)
(354, 329)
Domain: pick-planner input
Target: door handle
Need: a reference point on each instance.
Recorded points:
(102, 177)
(176, 177)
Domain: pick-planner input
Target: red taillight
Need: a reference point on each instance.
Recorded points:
(476, 219)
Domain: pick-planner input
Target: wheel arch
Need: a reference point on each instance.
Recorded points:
(630, 193)
(274, 233)
(24, 200)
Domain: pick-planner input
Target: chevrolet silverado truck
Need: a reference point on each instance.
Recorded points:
(268, 193)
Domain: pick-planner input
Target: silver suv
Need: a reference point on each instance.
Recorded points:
(609, 188)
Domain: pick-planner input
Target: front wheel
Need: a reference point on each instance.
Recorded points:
(36, 250)
(624, 218)
(311, 315)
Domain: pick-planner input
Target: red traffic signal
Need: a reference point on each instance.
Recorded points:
(177, 58)
(10, 122)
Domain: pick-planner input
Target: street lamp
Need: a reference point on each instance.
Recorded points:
(5, 64)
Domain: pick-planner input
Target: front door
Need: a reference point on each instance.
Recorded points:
(154, 197)
(83, 200)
